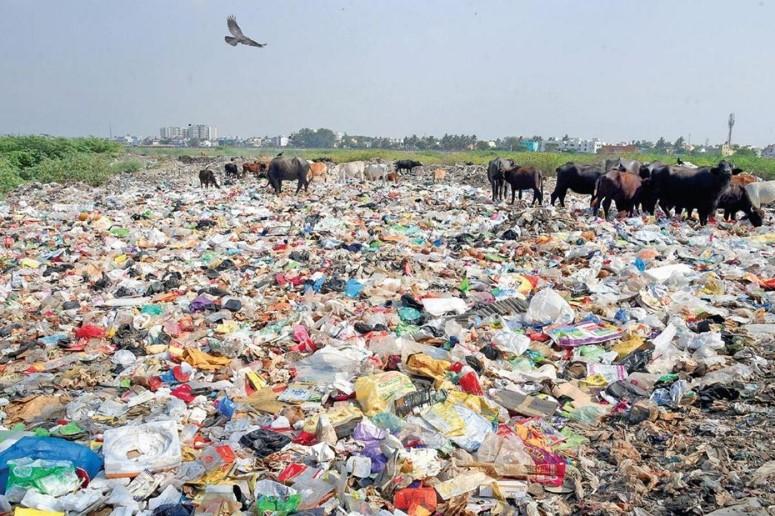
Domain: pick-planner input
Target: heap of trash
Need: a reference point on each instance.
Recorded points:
(377, 349)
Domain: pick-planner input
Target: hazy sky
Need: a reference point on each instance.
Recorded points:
(614, 69)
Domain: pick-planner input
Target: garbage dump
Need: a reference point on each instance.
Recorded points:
(377, 348)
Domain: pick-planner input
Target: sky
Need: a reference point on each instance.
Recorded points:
(612, 69)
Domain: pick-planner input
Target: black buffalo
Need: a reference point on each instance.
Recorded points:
(406, 164)
(231, 170)
(526, 178)
(692, 188)
(288, 169)
(578, 178)
(207, 179)
(735, 198)
(496, 175)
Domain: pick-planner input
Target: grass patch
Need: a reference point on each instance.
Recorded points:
(545, 161)
(64, 160)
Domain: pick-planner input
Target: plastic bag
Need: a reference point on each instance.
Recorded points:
(129, 450)
(376, 392)
(264, 442)
(548, 307)
(50, 448)
(50, 477)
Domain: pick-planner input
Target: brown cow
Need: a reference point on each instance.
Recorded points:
(439, 175)
(624, 188)
(743, 179)
(526, 178)
(318, 169)
(258, 166)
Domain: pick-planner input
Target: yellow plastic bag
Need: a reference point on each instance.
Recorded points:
(423, 365)
(375, 392)
(627, 345)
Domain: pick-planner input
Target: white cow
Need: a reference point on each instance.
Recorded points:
(376, 171)
(761, 193)
(352, 169)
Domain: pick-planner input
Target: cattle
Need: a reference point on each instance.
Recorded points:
(526, 178)
(231, 170)
(578, 178)
(687, 188)
(207, 179)
(743, 179)
(439, 175)
(352, 169)
(258, 166)
(496, 170)
(393, 176)
(735, 198)
(374, 171)
(406, 164)
(317, 170)
(629, 165)
(288, 169)
(761, 193)
(618, 186)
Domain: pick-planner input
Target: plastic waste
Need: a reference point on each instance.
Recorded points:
(130, 450)
(548, 307)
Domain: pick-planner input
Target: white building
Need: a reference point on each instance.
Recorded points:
(580, 145)
(769, 151)
(171, 133)
(201, 132)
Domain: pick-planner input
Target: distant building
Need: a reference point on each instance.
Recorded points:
(769, 152)
(171, 133)
(580, 145)
(201, 132)
(551, 145)
(530, 145)
(279, 141)
(619, 148)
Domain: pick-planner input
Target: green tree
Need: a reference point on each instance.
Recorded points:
(678, 146)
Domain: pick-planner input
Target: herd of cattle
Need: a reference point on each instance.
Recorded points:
(629, 184)
(632, 185)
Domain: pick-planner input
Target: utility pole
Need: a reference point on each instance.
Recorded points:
(731, 124)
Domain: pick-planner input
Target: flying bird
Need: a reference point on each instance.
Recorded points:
(238, 36)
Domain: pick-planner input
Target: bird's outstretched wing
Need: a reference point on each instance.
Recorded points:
(246, 40)
(231, 22)
(231, 41)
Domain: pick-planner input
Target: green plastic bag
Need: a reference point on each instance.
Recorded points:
(276, 506)
(50, 477)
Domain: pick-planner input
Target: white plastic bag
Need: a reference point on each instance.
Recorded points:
(129, 450)
(548, 307)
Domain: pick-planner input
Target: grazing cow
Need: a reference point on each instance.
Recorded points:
(288, 169)
(761, 193)
(618, 186)
(629, 165)
(393, 176)
(687, 188)
(496, 175)
(354, 169)
(231, 170)
(374, 171)
(744, 179)
(439, 175)
(318, 169)
(578, 178)
(526, 178)
(735, 198)
(406, 164)
(207, 179)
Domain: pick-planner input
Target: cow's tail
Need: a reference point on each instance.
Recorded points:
(595, 203)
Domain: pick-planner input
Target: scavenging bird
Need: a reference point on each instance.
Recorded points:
(239, 37)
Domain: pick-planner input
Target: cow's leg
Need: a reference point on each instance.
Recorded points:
(538, 196)
(492, 186)
(513, 191)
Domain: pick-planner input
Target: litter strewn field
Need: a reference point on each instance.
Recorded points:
(378, 348)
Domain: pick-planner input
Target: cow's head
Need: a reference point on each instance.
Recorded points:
(724, 167)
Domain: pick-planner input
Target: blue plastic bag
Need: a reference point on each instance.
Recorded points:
(50, 448)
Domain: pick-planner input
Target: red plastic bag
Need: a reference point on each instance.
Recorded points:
(404, 499)
(89, 331)
(183, 392)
